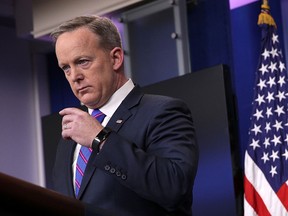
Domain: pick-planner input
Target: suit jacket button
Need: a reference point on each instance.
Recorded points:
(107, 167)
(118, 173)
(112, 170)
(124, 177)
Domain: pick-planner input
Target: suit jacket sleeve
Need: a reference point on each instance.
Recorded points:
(154, 152)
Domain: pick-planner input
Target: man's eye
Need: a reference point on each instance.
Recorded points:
(82, 62)
(65, 68)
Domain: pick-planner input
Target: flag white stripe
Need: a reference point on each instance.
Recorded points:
(248, 210)
(258, 180)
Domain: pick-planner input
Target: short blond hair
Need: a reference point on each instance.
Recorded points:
(103, 27)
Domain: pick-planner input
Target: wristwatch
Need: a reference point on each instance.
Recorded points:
(100, 138)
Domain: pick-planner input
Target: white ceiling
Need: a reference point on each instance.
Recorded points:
(20, 13)
(49, 14)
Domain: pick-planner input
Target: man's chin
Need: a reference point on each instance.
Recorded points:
(89, 104)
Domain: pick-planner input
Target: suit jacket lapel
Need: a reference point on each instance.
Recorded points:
(123, 113)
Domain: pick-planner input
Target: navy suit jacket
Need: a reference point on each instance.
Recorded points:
(147, 165)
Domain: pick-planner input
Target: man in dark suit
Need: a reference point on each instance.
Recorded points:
(144, 153)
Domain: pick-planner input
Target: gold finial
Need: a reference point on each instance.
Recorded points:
(265, 5)
(265, 17)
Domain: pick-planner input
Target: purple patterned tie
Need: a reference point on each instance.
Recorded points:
(84, 155)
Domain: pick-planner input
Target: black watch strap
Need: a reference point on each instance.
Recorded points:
(100, 138)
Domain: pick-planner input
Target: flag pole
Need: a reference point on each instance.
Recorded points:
(265, 17)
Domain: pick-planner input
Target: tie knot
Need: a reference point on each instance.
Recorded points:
(96, 113)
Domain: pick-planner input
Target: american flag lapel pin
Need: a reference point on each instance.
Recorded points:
(119, 121)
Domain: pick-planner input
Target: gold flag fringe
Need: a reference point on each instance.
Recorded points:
(265, 17)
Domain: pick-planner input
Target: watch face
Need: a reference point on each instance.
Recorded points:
(97, 140)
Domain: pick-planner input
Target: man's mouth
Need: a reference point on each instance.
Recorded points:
(83, 89)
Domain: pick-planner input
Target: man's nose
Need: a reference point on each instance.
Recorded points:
(76, 74)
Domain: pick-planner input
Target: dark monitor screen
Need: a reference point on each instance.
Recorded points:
(209, 97)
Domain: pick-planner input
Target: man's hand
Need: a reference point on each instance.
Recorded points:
(79, 126)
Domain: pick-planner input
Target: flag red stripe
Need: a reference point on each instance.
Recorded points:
(254, 199)
(282, 194)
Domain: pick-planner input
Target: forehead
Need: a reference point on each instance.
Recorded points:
(76, 43)
(79, 37)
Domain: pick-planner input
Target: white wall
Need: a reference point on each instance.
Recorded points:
(20, 133)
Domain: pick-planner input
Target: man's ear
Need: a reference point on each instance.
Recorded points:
(117, 56)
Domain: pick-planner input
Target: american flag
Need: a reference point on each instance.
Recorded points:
(266, 156)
